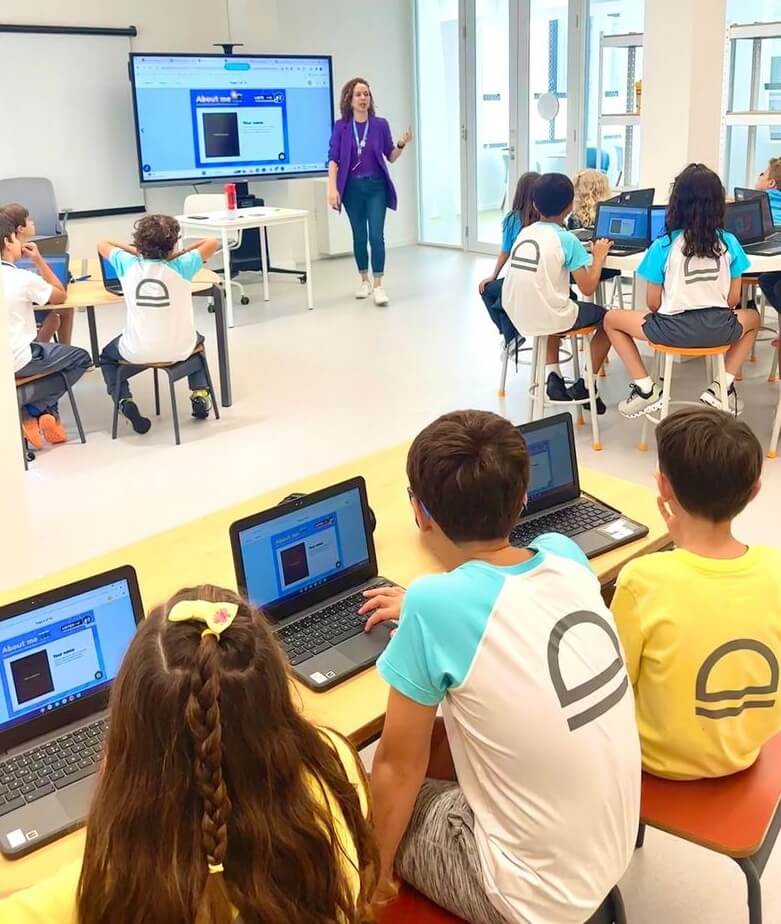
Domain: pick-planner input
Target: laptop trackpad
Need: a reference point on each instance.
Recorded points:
(75, 799)
(366, 646)
(592, 542)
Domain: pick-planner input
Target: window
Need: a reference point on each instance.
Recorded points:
(752, 130)
(618, 148)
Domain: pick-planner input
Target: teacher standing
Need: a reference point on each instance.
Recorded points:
(358, 177)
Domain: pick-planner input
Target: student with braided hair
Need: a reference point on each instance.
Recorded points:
(218, 802)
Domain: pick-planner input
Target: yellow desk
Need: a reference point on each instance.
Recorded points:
(199, 552)
(91, 294)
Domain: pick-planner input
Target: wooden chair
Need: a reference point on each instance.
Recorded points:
(738, 816)
(412, 908)
(710, 354)
(175, 372)
(27, 453)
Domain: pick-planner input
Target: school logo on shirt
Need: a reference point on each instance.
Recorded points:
(706, 270)
(573, 699)
(152, 293)
(526, 256)
(737, 700)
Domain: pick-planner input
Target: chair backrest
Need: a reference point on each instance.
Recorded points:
(204, 202)
(591, 159)
(36, 194)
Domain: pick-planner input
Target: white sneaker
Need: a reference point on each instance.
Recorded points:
(364, 289)
(712, 397)
(380, 298)
(639, 403)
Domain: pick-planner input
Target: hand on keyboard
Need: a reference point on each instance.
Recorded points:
(382, 603)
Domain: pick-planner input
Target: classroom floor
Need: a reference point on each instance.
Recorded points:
(314, 389)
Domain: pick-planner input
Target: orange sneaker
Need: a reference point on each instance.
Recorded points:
(52, 429)
(31, 432)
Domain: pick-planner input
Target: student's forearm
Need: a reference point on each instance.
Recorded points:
(503, 257)
(394, 792)
(128, 248)
(594, 278)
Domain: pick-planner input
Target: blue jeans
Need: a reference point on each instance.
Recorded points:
(365, 201)
(110, 358)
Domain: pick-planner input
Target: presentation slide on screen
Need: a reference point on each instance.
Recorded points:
(549, 461)
(202, 117)
(307, 553)
(540, 468)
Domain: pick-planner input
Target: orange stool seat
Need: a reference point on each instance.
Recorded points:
(688, 351)
(412, 908)
(738, 816)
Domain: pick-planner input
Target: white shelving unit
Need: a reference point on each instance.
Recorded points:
(630, 119)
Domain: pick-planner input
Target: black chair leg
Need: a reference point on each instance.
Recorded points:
(174, 410)
(640, 836)
(157, 393)
(215, 400)
(25, 450)
(74, 408)
(619, 911)
(117, 389)
(754, 889)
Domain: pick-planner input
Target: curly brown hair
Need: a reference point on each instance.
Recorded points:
(697, 207)
(155, 236)
(346, 99)
(209, 763)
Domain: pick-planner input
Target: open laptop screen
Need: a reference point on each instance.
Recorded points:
(553, 475)
(658, 219)
(622, 223)
(744, 220)
(312, 547)
(55, 654)
(108, 271)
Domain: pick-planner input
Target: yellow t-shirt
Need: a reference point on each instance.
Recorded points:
(702, 639)
(53, 901)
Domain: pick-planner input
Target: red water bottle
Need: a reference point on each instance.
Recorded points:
(230, 195)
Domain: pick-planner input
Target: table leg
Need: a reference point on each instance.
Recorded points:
(264, 264)
(93, 335)
(226, 265)
(308, 266)
(223, 356)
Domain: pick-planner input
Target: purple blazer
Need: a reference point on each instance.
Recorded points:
(342, 152)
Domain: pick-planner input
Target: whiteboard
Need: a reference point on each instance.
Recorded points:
(67, 114)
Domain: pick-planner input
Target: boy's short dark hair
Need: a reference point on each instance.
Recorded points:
(553, 194)
(7, 230)
(155, 236)
(18, 214)
(712, 460)
(470, 469)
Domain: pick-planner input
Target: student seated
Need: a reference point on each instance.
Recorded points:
(159, 327)
(693, 274)
(770, 182)
(591, 188)
(24, 289)
(521, 214)
(522, 805)
(51, 322)
(701, 626)
(536, 293)
(217, 800)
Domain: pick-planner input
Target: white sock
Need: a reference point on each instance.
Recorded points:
(729, 378)
(645, 385)
(552, 367)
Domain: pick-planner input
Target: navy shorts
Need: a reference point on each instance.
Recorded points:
(589, 315)
(701, 328)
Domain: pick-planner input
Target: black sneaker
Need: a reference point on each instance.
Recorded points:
(578, 392)
(201, 403)
(555, 388)
(129, 409)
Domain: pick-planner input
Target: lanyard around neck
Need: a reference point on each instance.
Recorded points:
(361, 142)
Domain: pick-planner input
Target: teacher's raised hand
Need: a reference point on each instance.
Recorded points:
(406, 137)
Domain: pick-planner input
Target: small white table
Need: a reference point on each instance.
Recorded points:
(221, 224)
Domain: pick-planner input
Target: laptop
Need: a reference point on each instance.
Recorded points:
(658, 219)
(59, 654)
(111, 281)
(306, 563)
(628, 226)
(744, 219)
(743, 194)
(59, 265)
(52, 244)
(555, 502)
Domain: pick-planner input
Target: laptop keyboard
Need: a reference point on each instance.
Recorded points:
(569, 521)
(51, 766)
(772, 246)
(323, 629)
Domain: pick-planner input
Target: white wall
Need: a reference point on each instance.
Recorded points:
(373, 39)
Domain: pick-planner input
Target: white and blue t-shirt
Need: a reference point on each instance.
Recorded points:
(539, 712)
(511, 228)
(775, 205)
(690, 283)
(160, 326)
(536, 293)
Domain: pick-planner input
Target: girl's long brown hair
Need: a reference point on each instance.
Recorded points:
(346, 99)
(697, 207)
(523, 200)
(208, 762)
